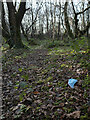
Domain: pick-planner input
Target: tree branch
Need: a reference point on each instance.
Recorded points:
(83, 11)
(25, 35)
(73, 7)
(34, 20)
(21, 12)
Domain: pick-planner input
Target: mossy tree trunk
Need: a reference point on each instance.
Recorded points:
(15, 19)
(67, 21)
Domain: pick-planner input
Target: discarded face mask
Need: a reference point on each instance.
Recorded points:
(72, 82)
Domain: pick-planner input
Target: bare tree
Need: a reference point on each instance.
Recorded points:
(67, 21)
(47, 16)
(15, 18)
(51, 21)
(54, 22)
(31, 16)
(59, 23)
(5, 30)
(77, 30)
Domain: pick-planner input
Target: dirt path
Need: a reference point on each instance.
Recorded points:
(37, 57)
(34, 61)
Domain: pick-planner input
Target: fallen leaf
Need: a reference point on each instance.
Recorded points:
(37, 101)
(61, 104)
(44, 107)
(75, 115)
(36, 92)
(49, 86)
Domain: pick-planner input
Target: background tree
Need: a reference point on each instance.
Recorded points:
(5, 30)
(52, 19)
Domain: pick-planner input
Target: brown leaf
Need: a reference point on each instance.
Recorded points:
(49, 86)
(61, 104)
(37, 101)
(36, 92)
(75, 115)
(44, 107)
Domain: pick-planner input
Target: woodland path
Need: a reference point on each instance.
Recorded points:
(35, 87)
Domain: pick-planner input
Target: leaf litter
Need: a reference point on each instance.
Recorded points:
(36, 87)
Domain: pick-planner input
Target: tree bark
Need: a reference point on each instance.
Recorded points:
(51, 21)
(67, 21)
(88, 19)
(59, 27)
(54, 22)
(25, 35)
(15, 19)
(5, 30)
(47, 17)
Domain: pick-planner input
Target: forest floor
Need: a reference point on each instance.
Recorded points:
(35, 85)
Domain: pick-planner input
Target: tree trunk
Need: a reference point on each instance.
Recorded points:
(15, 19)
(88, 19)
(18, 42)
(54, 22)
(59, 27)
(51, 21)
(32, 32)
(24, 33)
(83, 19)
(47, 16)
(67, 22)
(5, 30)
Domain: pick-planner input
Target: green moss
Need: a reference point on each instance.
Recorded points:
(59, 51)
(40, 81)
(57, 103)
(70, 110)
(65, 109)
(56, 113)
(84, 108)
(49, 78)
(37, 108)
(45, 88)
(40, 104)
(85, 94)
(44, 71)
(84, 117)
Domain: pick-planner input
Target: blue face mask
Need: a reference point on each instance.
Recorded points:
(72, 82)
